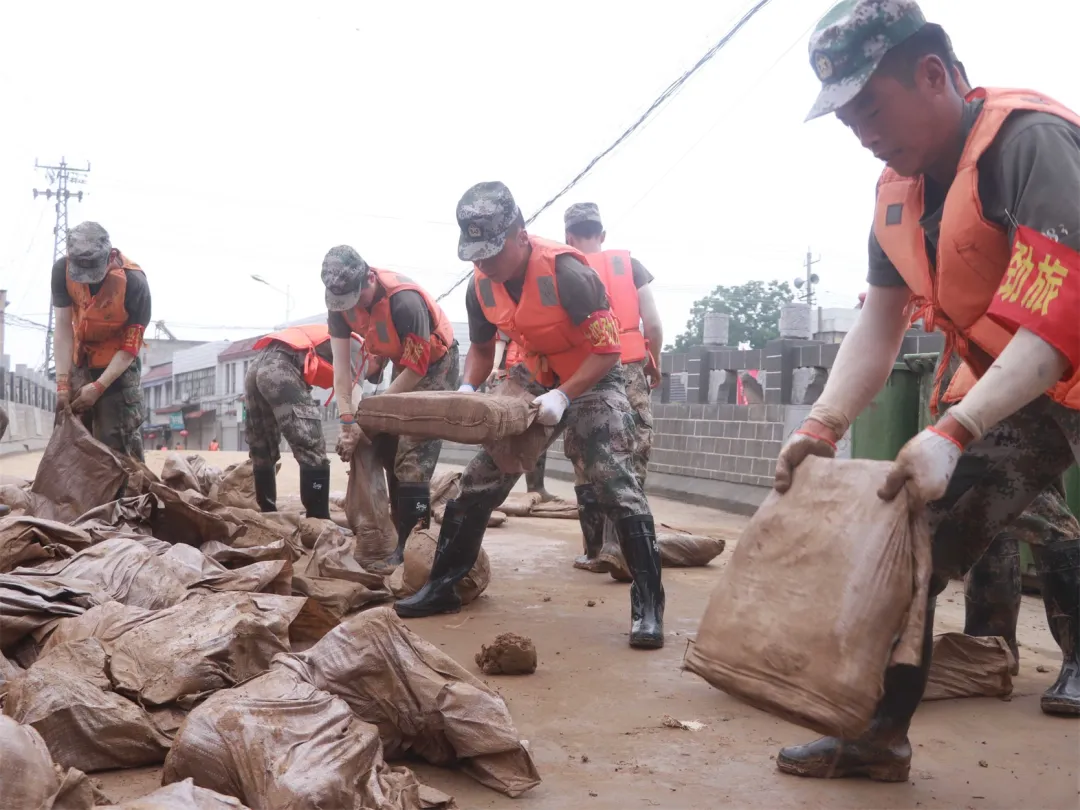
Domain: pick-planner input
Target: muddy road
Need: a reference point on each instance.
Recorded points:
(593, 711)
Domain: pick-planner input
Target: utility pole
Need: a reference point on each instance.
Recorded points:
(62, 176)
(810, 280)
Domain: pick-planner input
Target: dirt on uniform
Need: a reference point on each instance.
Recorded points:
(509, 654)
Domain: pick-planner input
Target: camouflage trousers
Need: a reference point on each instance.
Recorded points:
(278, 403)
(640, 397)
(409, 460)
(117, 417)
(1009, 478)
(1045, 521)
(598, 437)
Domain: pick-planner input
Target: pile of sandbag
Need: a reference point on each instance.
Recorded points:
(968, 666)
(682, 549)
(367, 506)
(826, 588)
(190, 472)
(29, 778)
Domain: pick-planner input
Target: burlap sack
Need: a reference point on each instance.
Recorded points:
(123, 568)
(67, 698)
(237, 486)
(176, 473)
(182, 796)
(105, 623)
(277, 741)
(519, 504)
(422, 701)
(30, 780)
(679, 549)
(826, 588)
(30, 541)
(444, 487)
(188, 517)
(208, 642)
(420, 554)
(16, 498)
(334, 578)
(965, 666)
(518, 452)
(9, 670)
(28, 604)
(459, 417)
(367, 506)
(76, 472)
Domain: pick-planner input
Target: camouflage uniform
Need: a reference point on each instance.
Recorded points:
(278, 402)
(640, 397)
(1003, 473)
(117, 417)
(410, 460)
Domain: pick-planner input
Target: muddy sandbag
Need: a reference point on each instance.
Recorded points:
(825, 590)
(469, 418)
(444, 487)
(123, 568)
(16, 498)
(520, 504)
(126, 516)
(105, 623)
(182, 796)
(30, 604)
(558, 509)
(29, 541)
(177, 474)
(208, 642)
(30, 781)
(76, 472)
(237, 557)
(422, 701)
(367, 506)
(67, 698)
(518, 452)
(419, 556)
(237, 486)
(685, 550)
(9, 671)
(189, 565)
(333, 577)
(277, 741)
(968, 666)
(206, 474)
(139, 477)
(181, 518)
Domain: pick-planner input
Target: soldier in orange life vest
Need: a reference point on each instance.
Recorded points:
(400, 322)
(544, 296)
(627, 283)
(278, 402)
(977, 232)
(102, 307)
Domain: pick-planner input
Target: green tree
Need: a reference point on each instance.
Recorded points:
(754, 308)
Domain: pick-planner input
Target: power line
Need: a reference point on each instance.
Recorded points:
(61, 175)
(668, 92)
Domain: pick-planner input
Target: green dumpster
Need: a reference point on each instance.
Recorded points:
(891, 419)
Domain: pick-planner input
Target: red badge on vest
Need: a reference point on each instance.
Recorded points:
(1040, 292)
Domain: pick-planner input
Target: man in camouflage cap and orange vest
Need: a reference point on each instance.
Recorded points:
(401, 323)
(102, 308)
(627, 283)
(544, 296)
(278, 402)
(977, 232)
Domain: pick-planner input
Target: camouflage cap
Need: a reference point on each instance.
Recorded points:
(849, 43)
(582, 212)
(485, 214)
(88, 249)
(343, 275)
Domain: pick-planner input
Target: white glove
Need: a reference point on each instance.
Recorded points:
(553, 405)
(925, 464)
(465, 388)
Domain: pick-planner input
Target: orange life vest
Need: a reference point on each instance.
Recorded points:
(377, 327)
(514, 355)
(973, 253)
(613, 267)
(538, 323)
(318, 372)
(99, 320)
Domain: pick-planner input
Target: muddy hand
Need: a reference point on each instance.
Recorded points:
(924, 465)
(812, 439)
(347, 441)
(86, 398)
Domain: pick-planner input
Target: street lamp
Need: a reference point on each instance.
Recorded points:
(285, 292)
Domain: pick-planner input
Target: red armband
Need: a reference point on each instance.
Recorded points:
(415, 354)
(1040, 292)
(602, 332)
(132, 340)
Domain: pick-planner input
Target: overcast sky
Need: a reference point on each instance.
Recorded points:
(232, 138)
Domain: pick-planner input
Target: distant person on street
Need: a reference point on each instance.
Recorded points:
(214, 445)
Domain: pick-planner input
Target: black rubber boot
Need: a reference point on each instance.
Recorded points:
(637, 535)
(265, 488)
(1059, 575)
(413, 509)
(992, 594)
(883, 753)
(459, 545)
(534, 479)
(315, 491)
(591, 518)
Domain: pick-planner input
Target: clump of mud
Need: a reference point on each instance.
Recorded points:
(509, 654)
